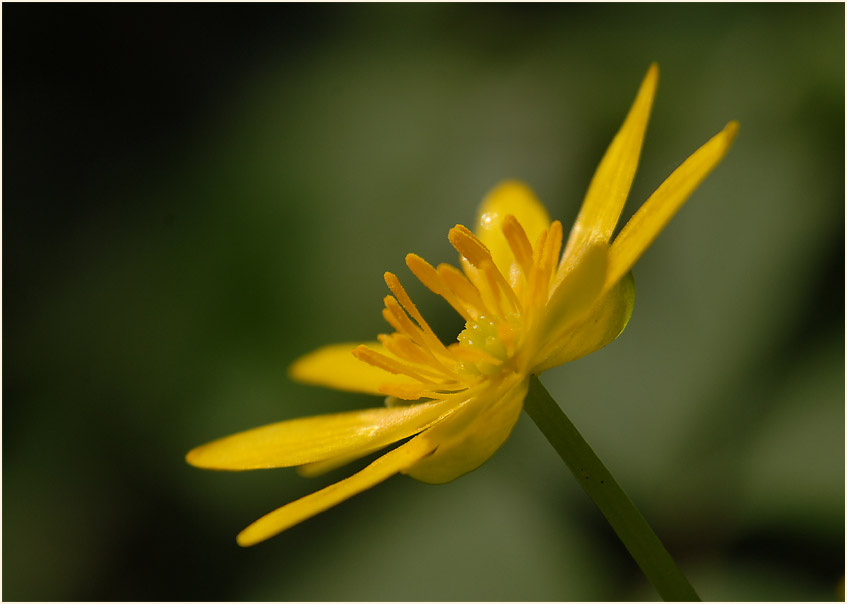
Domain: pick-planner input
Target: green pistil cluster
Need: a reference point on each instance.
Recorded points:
(492, 336)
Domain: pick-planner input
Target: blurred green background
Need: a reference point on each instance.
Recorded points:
(196, 195)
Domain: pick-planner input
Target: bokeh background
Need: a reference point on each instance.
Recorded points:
(194, 195)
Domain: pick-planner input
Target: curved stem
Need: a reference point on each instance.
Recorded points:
(631, 527)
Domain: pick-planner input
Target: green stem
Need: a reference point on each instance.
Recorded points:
(621, 513)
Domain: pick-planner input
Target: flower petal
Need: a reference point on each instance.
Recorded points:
(652, 217)
(509, 198)
(569, 304)
(334, 366)
(610, 185)
(605, 322)
(297, 511)
(310, 439)
(472, 435)
(316, 468)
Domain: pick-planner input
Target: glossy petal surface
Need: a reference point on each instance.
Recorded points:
(334, 366)
(313, 439)
(570, 303)
(604, 323)
(473, 434)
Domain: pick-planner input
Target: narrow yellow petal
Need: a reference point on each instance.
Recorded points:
(510, 198)
(297, 511)
(334, 366)
(316, 468)
(610, 185)
(652, 217)
(604, 323)
(305, 440)
(472, 434)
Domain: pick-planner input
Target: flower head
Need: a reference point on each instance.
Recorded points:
(527, 307)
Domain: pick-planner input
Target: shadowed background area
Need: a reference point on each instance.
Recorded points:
(194, 196)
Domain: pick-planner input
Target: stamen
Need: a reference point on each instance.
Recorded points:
(407, 392)
(496, 321)
(405, 348)
(474, 250)
(430, 341)
(377, 359)
(400, 321)
(463, 289)
(397, 289)
(495, 282)
(518, 242)
(536, 293)
(472, 354)
(431, 278)
(402, 347)
(489, 295)
(468, 245)
(539, 247)
(552, 247)
(413, 392)
(506, 335)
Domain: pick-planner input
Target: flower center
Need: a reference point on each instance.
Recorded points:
(492, 336)
(502, 307)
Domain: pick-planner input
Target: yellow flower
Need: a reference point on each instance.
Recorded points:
(526, 309)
